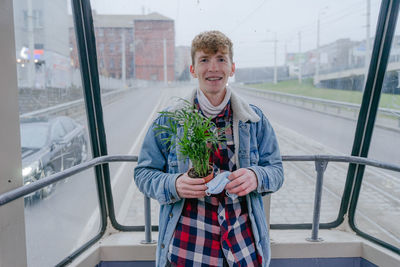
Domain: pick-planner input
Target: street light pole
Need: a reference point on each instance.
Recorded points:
(367, 37)
(31, 63)
(275, 41)
(300, 60)
(165, 60)
(318, 63)
(285, 53)
(316, 77)
(275, 64)
(123, 58)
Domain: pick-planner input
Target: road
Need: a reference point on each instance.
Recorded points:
(55, 224)
(302, 131)
(69, 217)
(335, 133)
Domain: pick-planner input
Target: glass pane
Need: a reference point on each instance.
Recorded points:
(378, 208)
(55, 224)
(134, 87)
(316, 52)
(294, 202)
(54, 132)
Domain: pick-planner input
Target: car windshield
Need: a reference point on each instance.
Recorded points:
(34, 135)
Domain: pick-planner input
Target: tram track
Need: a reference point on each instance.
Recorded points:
(381, 181)
(368, 184)
(339, 197)
(332, 192)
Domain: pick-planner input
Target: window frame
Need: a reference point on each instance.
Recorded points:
(85, 35)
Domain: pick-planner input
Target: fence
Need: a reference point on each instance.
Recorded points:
(387, 118)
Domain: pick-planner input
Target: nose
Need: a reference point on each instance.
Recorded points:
(213, 66)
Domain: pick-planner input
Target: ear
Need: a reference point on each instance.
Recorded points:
(194, 75)
(232, 70)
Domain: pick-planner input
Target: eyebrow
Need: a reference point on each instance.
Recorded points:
(209, 55)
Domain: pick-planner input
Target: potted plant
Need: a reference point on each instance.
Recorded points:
(195, 140)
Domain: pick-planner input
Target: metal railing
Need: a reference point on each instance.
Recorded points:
(321, 162)
(32, 187)
(76, 106)
(338, 105)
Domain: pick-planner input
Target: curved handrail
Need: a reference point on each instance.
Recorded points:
(30, 188)
(349, 159)
(321, 162)
(27, 189)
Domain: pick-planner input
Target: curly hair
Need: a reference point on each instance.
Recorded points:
(211, 42)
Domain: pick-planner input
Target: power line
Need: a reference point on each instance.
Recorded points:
(247, 17)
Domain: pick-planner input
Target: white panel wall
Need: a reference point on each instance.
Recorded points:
(12, 223)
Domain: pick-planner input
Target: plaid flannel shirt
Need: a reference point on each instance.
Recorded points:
(215, 230)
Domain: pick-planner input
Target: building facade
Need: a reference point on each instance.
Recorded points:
(137, 47)
(42, 51)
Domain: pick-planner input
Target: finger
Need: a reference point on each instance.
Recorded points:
(244, 188)
(233, 175)
(244, 192)
(235, 190)
(198, 194)
(236, 174)
(190, 187)
(185, 189)
(194, 181)
(193, 194)
(234, 183)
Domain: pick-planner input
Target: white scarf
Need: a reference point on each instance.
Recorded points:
(209, 109)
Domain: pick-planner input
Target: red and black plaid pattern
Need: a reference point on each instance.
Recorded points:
(223, 157)
(216, 229)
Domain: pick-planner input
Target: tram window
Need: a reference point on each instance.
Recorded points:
(54, 133)
(319, 46)
(378, 206)
(131, 72)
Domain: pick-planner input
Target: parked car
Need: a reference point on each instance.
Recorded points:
(49, 146)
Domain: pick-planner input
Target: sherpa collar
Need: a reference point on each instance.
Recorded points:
(241, 109)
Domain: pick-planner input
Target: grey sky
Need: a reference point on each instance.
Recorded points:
(252, 24)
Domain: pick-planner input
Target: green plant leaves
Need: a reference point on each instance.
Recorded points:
(196, 139)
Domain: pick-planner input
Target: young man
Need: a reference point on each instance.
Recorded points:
(216, 230)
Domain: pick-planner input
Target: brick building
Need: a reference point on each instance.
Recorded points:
(133, 46)
(154, 37)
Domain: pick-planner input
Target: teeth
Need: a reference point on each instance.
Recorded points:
(213, 79)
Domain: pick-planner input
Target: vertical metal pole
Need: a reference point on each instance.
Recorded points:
(31, 47)
(275, 64)
(367, 44)
(147, 222)
(300, 59)
(165, 61)
(316, 77)
(367, 36)
(320, 167)
(123, 58)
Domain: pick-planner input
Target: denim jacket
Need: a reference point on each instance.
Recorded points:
(256, 148)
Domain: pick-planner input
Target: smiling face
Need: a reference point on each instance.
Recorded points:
(213, 71)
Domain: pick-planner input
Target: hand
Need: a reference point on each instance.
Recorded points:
(187, 187)
(242, 182)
